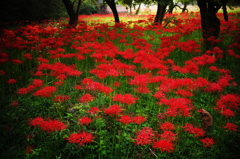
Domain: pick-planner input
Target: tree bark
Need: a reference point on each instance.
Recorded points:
(209, 20)
(112, 5)
(171, 7)
(161, 10)
(224, 7)
(73, 15)
(184, 7)
(138, 9)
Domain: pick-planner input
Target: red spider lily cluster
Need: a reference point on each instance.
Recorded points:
(81, 138)
(135, 75)
(47, 125)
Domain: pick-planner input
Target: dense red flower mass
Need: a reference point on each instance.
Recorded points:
(94, 110)
(45, 92)
(86, 98)
(126, 98)
(81, 138)
(227, 104)
(230, 127)
(113, 110)
(207, 142)
(145, 136)
(164, 145)
(139, 119)
(47, 125)
(198, 132)
(11, 81)
(167, 126)
(125, 119)
(85, 120)
(61, 98)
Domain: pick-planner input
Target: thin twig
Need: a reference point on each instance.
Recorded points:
(153, 152)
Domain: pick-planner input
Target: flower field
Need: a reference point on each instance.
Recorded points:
(128, 90)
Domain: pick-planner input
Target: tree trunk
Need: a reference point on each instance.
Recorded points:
(224, 7)
(112, 5)
(161, 10)
(73, 15)
(130, 10)
(184, 7)
(171, 7)
(209, 19)
(138, 9)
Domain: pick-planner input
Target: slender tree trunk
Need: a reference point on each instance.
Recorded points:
(224, 7)
(184, 7)
(209, 19)
(138, 9)
(161, 10)
(112, 5)
(130, 10)
(171, 7)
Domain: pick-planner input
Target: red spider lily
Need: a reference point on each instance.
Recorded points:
(139, 119)
(47, 125)
(61, 98)
(113, 110)
(2, 72)
(177, 106)
(28, 56)
(126, 98)
(184, 93)
(198, 132)
(227, 113)
(16, 61)
(89, 84)
(3, 57)
(213, 68)
(214, 87)
(23, 91)
(85, 120)
(37, 83)
(58, 83)
(86, 98)
(167, 126)
(45, 92)
(59, 69)
(42, 60)
(125, 119)
(230, 127)
(164, 145)
(216, 51)
(207, 142)
(229, 101)
(94, 110)
(227, 104)
(12, 81)
(81, 138)
(168, 136)
(159, 95)
(117, 84)
(190, 46)
(140, 80)
(14, 103)
(145, 136)
(78, 87)
(232, 53)
(61, 77)
(142, 89)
